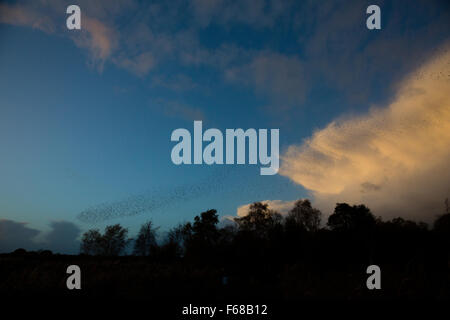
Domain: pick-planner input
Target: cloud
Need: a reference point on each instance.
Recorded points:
(154, 33)
(330, 33)
(204, 10)
(280, 76)
(395, 159)
(255, 13)
(341, 53)
(98, 38)
(140, 65)
(177, 83)
(141, 48)
(175, 109)
(14, 235)
(227, 221)
(62, 238)
(280, 206)
(19, 15)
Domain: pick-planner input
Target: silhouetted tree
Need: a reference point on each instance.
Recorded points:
(145, 242)
(407, 225)
(260, 256)
(90, 242)
(202, 235)
(304, 216)
(20, 251)
(442, 229)
(175, 242)
(351, 218)
(204, 227)
(259, 218)
(45, 252)
(112, 243)
(114, 240)
(442, 224)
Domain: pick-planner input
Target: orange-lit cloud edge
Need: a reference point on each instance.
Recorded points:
(395, 159)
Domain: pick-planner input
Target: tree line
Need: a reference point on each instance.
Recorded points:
(351, 232)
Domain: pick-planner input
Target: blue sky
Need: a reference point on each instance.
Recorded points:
(86, 116)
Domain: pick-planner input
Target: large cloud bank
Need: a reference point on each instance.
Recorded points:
(395, 159)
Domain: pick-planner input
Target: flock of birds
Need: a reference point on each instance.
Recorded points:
(221, 180)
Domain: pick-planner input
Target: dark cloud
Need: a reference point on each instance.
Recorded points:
(15, 235)
(62, 238)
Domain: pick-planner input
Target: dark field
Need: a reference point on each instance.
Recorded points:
(286, 263)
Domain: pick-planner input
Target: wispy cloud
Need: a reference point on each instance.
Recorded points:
(19, 15)
(394, 159)
(140, 65)
(176, 109)
(279, 76)
(177, 83)
(98, 38)
(255, 13)
(332, 46)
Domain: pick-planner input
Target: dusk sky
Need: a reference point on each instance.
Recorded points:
(86, 115)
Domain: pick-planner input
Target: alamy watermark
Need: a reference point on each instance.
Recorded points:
(235, 140)
(73, 22)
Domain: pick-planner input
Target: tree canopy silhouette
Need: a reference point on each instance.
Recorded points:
(269, 254)
(304, 216)
(91, 242)
(259, 219)
(112, 243)
(202, 235)
(145, 243)
(351, 218)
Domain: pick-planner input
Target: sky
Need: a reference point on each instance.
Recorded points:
(86, 115)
